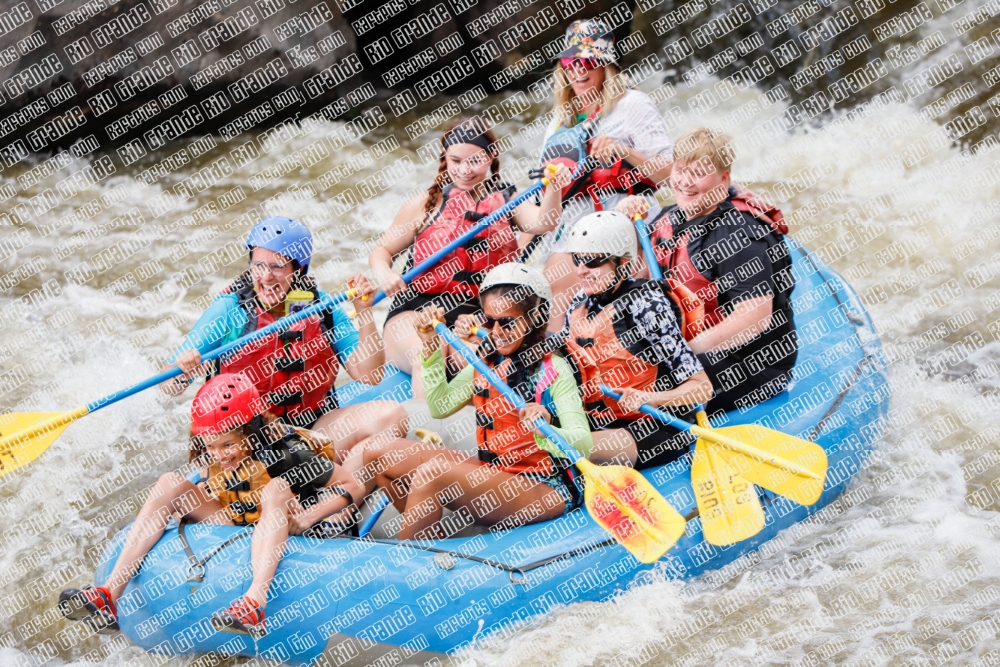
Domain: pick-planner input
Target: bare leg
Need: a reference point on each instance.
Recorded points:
(454, 480)
(402, 347)
(269, 537)
(172, 493)
(565, 284)
(614, 447)
(389, 466)
(350, 425)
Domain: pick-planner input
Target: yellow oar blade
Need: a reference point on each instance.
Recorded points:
(727, 504)
(781, 463)
(25, 435)
(625, 504)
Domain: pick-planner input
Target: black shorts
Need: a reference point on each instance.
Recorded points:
(453, 305)
(756, 388)
(658, 443)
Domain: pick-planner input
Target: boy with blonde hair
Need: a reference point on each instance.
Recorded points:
(725, 245)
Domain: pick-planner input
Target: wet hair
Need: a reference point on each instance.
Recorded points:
(259, 431)
(468, 126)
(535, 311)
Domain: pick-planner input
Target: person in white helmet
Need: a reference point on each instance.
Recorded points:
(515, 462)
(623, 332)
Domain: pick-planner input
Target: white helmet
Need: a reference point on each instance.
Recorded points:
(515, 273)
(603, 233)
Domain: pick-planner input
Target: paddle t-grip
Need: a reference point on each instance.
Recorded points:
(508, 393)
(647, 247)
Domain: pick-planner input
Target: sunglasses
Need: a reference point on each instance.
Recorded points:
(591, 261)
(506, 323)
(263, 268)
(586, 63)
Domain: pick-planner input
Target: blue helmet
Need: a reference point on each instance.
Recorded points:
(284, 236)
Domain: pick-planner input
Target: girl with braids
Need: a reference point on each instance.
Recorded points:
(515, 461)
(294, 371)
(467, 188)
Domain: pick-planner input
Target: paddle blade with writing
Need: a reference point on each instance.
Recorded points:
(625, 504)
(781, 463)
(728, 505)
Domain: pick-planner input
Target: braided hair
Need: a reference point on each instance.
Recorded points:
(473, 125)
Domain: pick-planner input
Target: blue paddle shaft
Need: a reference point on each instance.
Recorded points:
(323, 304)
(372, 519)
(507, 392)
(274, 327)
(664, 417)
(647, 250)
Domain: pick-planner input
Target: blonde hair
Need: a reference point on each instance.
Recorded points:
(705, 144)
(568, 105)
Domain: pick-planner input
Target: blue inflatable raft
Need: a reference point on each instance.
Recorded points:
(349, 601)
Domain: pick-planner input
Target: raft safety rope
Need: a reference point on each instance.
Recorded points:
(196, 571)
(858, 322)
(511, 569)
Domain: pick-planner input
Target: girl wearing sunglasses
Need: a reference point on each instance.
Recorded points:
(515, 462)
(630, 152)
(624, 332)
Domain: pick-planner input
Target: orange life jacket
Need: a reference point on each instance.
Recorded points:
(692, 291)
(601, 358)
(239, 490)
(461, 271)
(293, 370)
(504, 440)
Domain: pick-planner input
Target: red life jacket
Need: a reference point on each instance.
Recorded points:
(597, 179)
(293, 370)
(618, 177)
(601, 358)
(694, 293)
(461, 271)
(504, 441)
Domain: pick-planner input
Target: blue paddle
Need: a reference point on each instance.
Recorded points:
(26, 435)
(620, 499)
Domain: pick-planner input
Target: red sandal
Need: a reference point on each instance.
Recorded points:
(93, 605)
(243, 617)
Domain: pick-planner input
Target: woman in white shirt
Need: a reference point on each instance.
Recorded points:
(630, 147)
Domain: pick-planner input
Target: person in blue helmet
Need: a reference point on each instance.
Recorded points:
(294, 370)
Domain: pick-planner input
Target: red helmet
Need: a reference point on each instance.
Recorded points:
(226, 402)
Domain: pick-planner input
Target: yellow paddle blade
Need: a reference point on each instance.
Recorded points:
(781, 463)
(626, 505)
(25, 435)
(728, 505)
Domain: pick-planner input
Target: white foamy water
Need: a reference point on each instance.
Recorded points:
(908, 575)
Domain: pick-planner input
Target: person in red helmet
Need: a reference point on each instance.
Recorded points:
(256, 470)
(294, 370)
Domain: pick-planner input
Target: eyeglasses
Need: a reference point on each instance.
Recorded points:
(263, 268)
(506, 323)
(591, 261)
(586, 63)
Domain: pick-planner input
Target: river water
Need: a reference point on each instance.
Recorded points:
(909, 576)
